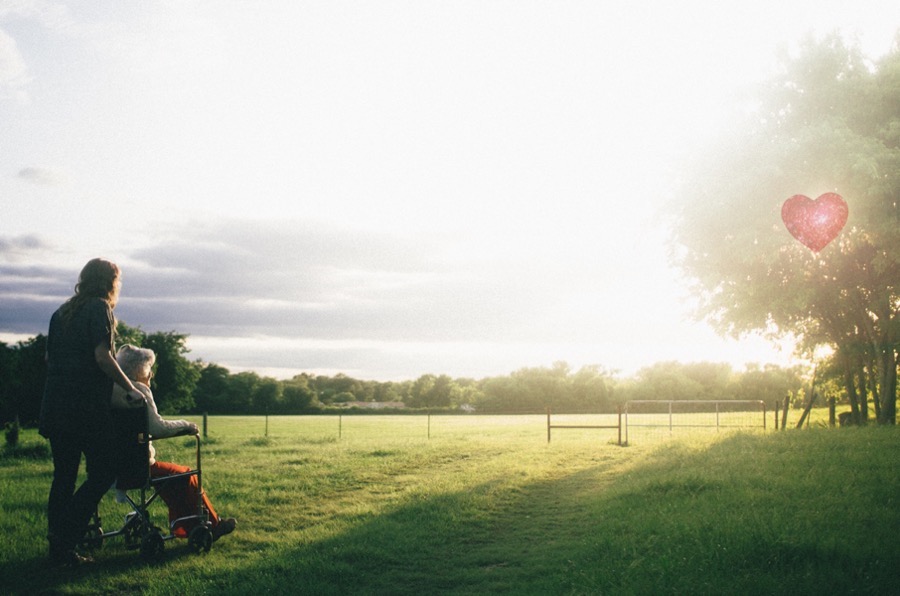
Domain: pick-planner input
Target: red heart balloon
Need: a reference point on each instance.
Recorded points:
(815, 223)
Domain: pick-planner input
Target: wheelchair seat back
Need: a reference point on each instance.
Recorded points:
(133, 442)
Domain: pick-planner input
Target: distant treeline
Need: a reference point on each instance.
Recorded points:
(183, 386)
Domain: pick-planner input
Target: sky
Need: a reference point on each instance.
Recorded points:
(383, 189)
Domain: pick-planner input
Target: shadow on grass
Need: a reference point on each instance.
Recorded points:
(747, 515)
(116, 569)
(35, 451)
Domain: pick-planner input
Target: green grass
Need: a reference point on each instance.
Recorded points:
(371, 505)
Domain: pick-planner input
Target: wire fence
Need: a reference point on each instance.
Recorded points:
(648, 419)
(381, 427)
(637, 421)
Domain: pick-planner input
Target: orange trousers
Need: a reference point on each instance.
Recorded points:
(181, 496)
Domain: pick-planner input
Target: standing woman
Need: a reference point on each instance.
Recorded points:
(75, 411)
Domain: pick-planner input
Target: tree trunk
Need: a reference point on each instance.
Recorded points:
(872, 371)
(886, 350)
(888, 414)
(850, 384)
(863, 394)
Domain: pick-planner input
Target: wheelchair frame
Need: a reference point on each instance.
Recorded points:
(138, 530)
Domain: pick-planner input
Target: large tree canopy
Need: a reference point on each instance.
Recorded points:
(828, 122)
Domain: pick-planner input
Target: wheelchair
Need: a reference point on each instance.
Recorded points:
(141, 491)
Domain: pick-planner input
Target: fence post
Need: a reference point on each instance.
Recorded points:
(804, 416)
(787, 402)
(619, 410)
(831, 403)
(205, 415)
(670, 418)
(548, 425)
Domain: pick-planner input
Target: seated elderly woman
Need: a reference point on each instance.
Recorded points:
(180, 496)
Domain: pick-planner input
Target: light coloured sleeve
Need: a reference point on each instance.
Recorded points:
(159, 427)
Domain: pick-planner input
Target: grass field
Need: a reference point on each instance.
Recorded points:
(485, 505)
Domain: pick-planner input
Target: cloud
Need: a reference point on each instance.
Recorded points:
(28, 315)
(29, 293)
(320, 281)
(13, 71)
(292, 279)
(50, 14)
(52, 17)
(14, 245)
(42, 176)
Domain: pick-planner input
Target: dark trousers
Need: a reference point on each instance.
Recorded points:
(68, 510)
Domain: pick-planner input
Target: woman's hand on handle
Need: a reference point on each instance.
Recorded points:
(134, 396)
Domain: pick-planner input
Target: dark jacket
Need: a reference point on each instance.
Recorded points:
(77, 394)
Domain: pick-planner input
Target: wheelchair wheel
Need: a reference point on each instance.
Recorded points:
(132, 530)
(93, 538)
(200, 539)
(152, 545)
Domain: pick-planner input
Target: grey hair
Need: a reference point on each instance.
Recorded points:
(135, 362)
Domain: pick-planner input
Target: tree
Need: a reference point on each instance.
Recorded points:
(769, 383)
(241, 387)
(297, 394)
(344, 397)
(327, 388)
(468, 392)
(31, 369)
(592, 389)
(211, 389)
(666, 381)
(267, 395)
(441, 392)
(539, 388)
(829, 121)
(7, 378)
(420, 390)
(129, 335)
(498, 394)
(384, 392)
(546, 387)
(23, 372)
(175, 378)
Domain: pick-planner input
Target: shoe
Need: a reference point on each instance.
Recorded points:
(225, 526)
(68, 558)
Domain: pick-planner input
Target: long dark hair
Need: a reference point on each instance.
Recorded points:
(98, 279)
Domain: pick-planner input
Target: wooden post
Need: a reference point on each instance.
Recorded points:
(812, 397)
(787, 403)
(776, 414)
(548, 425)
(205, 415)
(619, 410)
(831, 413)
(809, 405)
(670, 418)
